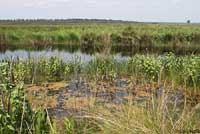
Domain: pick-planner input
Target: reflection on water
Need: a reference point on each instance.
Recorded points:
(123, 49)
(63, 55)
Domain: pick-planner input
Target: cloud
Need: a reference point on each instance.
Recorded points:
(176, 1)
(102, 3)
(44, 3)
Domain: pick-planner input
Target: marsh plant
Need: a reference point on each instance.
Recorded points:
(156, 119)
(16, 115)
(158, 87)
(145, 65)
(102, 68)
(96, 38)
(169, 67)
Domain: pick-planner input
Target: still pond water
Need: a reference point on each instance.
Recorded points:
(64, 55)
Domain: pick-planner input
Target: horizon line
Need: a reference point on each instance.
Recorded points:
(90, 19)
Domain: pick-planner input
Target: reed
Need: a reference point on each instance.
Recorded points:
(138, 37)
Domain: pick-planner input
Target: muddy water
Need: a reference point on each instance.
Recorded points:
(71, 98)
(66, 98)
(76, 96)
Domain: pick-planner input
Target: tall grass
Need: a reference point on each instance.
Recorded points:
(159, 115)
(138, 37)
(3, 42)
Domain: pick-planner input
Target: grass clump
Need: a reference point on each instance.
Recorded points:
(158, 117)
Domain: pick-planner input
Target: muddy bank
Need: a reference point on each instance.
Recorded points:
(76, 96)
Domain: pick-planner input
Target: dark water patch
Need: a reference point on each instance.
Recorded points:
(172, 100)
(80, 89)
(79, 92)
(141, 100)
(61, 101)
(117, 101)
(53, 92)
(61, 113)
(121, 83)
(36, 93)
(112, 49)
(121, 93)
(131, 50)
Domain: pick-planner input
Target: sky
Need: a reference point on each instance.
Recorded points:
(132, 10)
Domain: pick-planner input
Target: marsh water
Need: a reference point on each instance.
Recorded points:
(76, 88)
(74, 95)
(48, 53)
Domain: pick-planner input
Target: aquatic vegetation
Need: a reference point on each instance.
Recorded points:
(159, 38)
(149, 66)
(3, 41)
(16, 115)
(146, 93)
(54, 68)
(191, 70)
(111, 115)
(67, 70)
(184, 70)
(14, 37)
(102, 68)
(19, 71)
(73, 37)
(179, 69)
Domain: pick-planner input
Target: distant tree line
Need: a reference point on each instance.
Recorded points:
(65, 21)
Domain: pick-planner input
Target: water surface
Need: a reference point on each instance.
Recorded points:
(63, 55)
